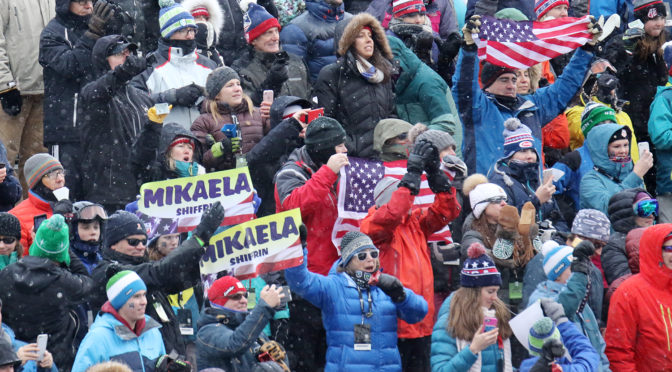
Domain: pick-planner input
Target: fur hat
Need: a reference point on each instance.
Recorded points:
(352, 243)
(517, 137)
(9, 225)
(37, 166)
(649, 9)
(52, 240)
(217, 79)
(541, 7)
(479, 270)
(173, 17)
(214, 11)
(256, 21)
(122, 286)
(355, 24)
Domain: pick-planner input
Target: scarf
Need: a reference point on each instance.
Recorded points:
(369, 71)
(6, 260)
(185, 169)
(402, 28)
(361, 278)
(505, 344)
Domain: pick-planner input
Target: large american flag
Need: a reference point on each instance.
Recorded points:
(521, 45)
(355, 195)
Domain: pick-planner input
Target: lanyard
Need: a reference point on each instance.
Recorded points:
(361, 304)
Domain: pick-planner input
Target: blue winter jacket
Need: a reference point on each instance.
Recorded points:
(109, 339)
(597, 188)
(624, 8)
(445, 357)
(337, 296)
(311, 35)
(660, 130)
(570, 182)
(30, 365)
(570, 296)
(584, 357)
(482, 114)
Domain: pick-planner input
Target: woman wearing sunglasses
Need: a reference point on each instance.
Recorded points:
(11, 249)
(638, 333)
(359, 306)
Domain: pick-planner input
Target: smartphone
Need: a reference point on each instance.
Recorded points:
(489, 323)
(548, 174)
(313, 114)
(268, 96)
(41, 345)
(37, 221)
(643, 146)
(162, 108)
(288, 296)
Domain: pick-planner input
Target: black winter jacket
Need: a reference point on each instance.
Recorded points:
(622, 217)
(139, 23)
(174, 273)
(112, 114)
(357, 104)
(231, 43)
(65, 55)
(39, 296)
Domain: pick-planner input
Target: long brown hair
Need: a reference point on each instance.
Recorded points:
(466, 316)
(382, 54)
(649, 45)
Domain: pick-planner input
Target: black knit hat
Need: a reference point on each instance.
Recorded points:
(9, 225)
(324, 133)
(649, 9)
(490, 73)
(217, 79)
(122, 224)
(620, 134)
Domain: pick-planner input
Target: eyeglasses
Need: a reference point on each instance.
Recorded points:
(55, 174)
(362, 255)
(135, 242)
(645, 208)
(238, 296)
(8, 239)
(187, 31)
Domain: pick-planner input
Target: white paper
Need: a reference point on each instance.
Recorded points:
(522, 323)
(62, 193)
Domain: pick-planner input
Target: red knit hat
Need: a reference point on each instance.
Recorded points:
(401, 8)
(541, 7)
(224, 288)
(200, 11)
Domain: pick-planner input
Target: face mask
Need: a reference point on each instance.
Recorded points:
(361, 278)
(620, 159)
(185, 169)
(187, 46)
(399, 150)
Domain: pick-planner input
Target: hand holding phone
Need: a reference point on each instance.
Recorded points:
(313, 114)
(268, 96)
(41, 345)
(489, 323)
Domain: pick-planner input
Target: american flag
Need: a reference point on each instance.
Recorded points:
(355, 195)
(521, 45)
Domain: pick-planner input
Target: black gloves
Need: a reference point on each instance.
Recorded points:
(422, 42)
(418, 157)
(553, 310)
(392, 287)
(185, 96)
(303, 233)
(210, 222)
(103, 12)
(63, 207)
(449, 48)
(436, 178)
(582, 254)
(278, 73)
(131, 67)
(551, 350)
(11, 102)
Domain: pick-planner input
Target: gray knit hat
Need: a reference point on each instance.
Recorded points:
(217, 79)
(592, 224)
(384, 190)
(9, 225)
(352, 243)
(323, 133)
(440, 140)
(37, 166)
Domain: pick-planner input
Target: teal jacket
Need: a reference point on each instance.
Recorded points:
(660, 130)
(422, 96)
(570, 296)
(445, 356)
(597, 187)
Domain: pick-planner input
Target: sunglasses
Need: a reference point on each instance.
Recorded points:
(667, 248)
(238, 296)
(494, 199)
(135, 242)
(645, 208)
(8, 240)
(362, 255)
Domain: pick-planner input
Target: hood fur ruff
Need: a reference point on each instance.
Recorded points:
(377, 32)
(215, 10)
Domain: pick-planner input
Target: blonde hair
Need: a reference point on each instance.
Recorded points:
(214, 110)
(109, 367)
(466, 316)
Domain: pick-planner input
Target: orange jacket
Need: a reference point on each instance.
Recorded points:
(402, 240)
(25, 211)
(555, 134)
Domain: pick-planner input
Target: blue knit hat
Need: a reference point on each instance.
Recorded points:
(479, 270)
(257, 21)
(173, 17)
(557, 258)
(517, 137)
(122, 286)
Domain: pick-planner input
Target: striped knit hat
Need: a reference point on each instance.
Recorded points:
(173, 17)
(557, 258)
(542, 330)
(479, 270)
(256, 21)
(541, 7)
(517, 137)
(402, 8)
(52, 240)
(122, 286)
(37, 166)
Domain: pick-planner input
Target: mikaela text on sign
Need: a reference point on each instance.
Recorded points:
(256, 247)
(187, 198)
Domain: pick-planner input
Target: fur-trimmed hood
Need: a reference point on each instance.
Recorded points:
(351, 31)
(215, 10)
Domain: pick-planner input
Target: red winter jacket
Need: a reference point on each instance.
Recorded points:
(25, 211)
(402, 240)
(299, 185)
(639, 329)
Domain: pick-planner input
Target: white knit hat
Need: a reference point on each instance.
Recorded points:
(481, 194)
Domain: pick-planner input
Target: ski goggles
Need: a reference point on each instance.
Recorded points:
(646, 208)
(92, 212)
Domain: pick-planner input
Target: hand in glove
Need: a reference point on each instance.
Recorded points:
(470, 28)
(595, 29)
(449, 48)
(225, 146)
(582, 253)
(131, 67)
(210, 222)
(551, 350)
(155, 117)
(63, 207)
(11, 101)
(392, 287)
(417, 159)
(103, 12)
(509, 218)
(423, 41)
(553, 310)
(185, 96)
(277, 74)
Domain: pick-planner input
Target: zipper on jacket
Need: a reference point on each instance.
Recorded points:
(74, 112)
(16, 15)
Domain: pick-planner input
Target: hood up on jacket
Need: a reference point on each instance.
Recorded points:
(216, 13)
(409, 62)
(621, 214)
(35, 274)
(281, 103)
(651, 264)
(169, 132)
(99, 53)
(350, 32)
(597, 143)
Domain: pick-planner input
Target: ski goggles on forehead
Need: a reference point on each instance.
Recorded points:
(646, 208)
(92, 212)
